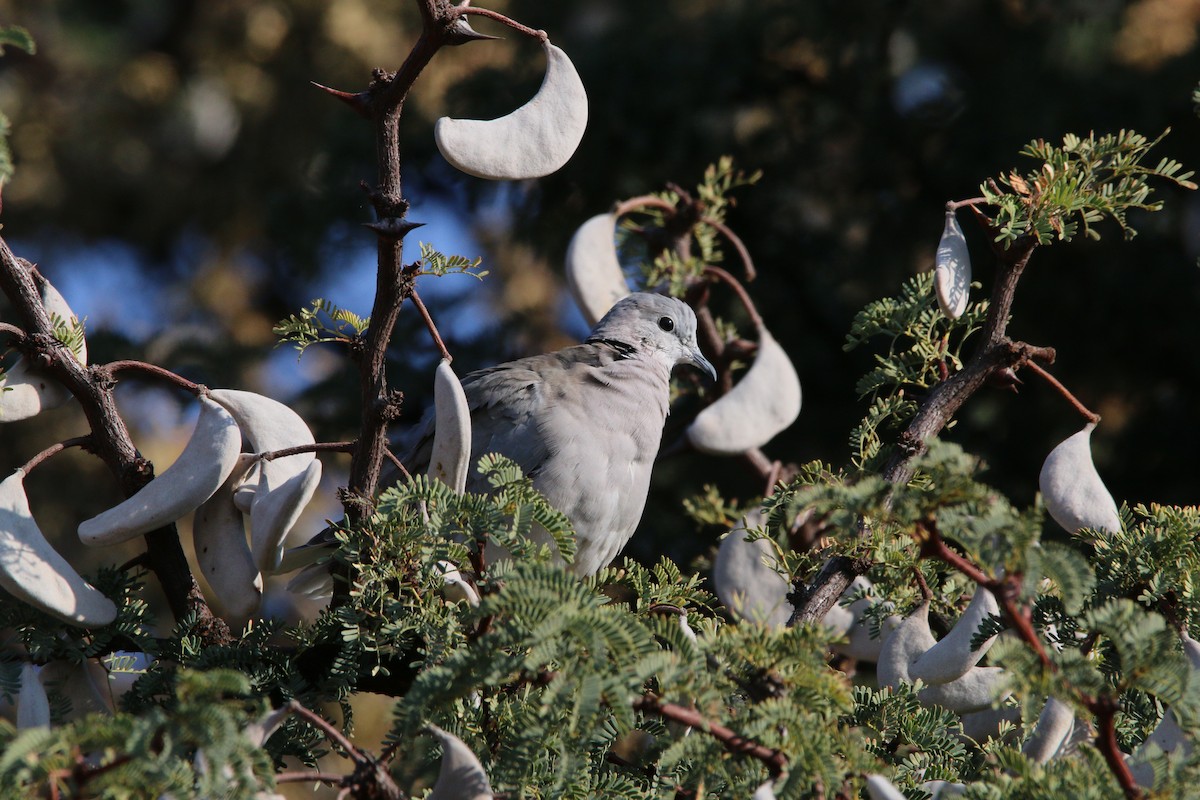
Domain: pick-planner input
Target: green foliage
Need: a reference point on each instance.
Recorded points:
(14, 36)
(1079, 184)
(676, 269)
(924, 347)
(434, 262)
(321, 321)
(173, 748)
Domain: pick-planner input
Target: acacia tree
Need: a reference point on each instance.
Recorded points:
(636, 682)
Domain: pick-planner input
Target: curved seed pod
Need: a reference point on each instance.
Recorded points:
(972, 689)
(33, 707)
(34, 572)
(765, 401)
(532, 141)
(979, 726)
(219, 537)
(194, 476)
(952, 656)
(594, 274)
(56, 306)
(457, 589)
(258, 732)
(978, 689)
(83, 685)
(745, 579)
(764, 792)
(1074, 494)
(952, 269)
(269, 425)
(942, 790)
(1167, 736)
(25, 392)
(451, 453)
(880, 788)
(1054, 727)
(461, 776)
(849, 622)
(903, 646)
(275, 511)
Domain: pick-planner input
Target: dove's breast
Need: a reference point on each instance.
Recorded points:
(603, 433)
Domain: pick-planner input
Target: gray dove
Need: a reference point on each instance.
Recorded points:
(585, 422)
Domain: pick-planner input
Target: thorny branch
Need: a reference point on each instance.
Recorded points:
(93, 389)
(1006, 590)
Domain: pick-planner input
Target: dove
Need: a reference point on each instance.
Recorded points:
(585, 422)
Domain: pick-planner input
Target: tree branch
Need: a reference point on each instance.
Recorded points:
(774, 760)
(111, 442)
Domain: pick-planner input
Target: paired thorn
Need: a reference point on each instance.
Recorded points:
(393, 228)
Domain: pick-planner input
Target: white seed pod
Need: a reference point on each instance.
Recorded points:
(276, 509)
(56, 306)
(764, 402)
(942, 790)
(594, 273)
(84, 686)
(952, 656)
(976, 688)
(269, 425)
(1053, 728)
(745, 579)
(25, 392)
(222, 552)
(764, 792)
(1073, 492)
(206, 460)
(34, 572)
(979, 726)
(534, 140)
(33, 707)
(457, 589)
(451, 453)
(849, 621)
(952, 269)
(461, 776)
(880, 788)
(904, 645)
(259, 731)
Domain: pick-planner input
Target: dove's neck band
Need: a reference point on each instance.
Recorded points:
(623, 349)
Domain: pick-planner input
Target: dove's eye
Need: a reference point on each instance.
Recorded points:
(666, 323)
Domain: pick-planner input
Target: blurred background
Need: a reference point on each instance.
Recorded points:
(185, 186)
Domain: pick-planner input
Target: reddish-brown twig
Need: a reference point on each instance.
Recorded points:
(1086, 412)
(433, 331)
(774, 760)
(317, 447)
(151, 369)
(498, 17)
(744, 296)
(738, 245)
(78, 441)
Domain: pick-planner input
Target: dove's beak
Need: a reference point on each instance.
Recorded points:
(697, 359)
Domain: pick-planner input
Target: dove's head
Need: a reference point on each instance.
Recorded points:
(654, 326)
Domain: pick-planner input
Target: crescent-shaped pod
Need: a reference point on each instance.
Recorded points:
(534, 140)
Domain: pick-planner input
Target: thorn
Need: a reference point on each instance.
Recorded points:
(1005, 379)
(461, 32)
(393, 228)
(358, 101)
